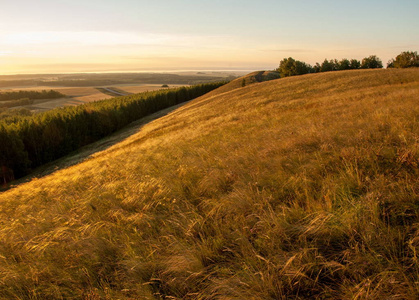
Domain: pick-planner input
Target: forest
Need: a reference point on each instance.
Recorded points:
(27, 142)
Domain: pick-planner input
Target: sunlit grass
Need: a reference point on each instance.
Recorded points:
(304, 187)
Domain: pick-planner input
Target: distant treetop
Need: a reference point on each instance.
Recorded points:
(371, 62)
(290, 67)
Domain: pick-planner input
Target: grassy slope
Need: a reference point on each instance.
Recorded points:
(249, 79)
(301, 187)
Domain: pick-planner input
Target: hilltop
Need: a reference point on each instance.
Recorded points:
(251, 78)
(301, 187)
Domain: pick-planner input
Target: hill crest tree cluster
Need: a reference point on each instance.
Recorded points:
(291, 67)
(407, 59)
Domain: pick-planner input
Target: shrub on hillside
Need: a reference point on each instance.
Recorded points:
(371, 62)
(329, 65)
(406, 59)
(355, 64)
(291, 67)
(346, 64)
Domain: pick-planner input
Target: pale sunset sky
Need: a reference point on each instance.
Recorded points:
(56, 36)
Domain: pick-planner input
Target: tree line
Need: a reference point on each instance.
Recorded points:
(292, 67)
(20, 98)
(14, 103)
(32, 95)
(27, 142)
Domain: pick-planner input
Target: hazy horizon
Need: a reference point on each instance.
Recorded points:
(156, 71)
(64, 36)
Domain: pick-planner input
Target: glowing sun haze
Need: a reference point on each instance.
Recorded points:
(54, 36)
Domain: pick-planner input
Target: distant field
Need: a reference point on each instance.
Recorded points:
(83, 88)
(112, 79)
(80, 95)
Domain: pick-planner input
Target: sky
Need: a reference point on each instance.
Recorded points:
(58, 36)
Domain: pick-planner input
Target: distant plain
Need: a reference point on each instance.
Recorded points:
(84, 88)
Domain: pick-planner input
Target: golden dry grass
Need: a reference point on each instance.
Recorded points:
(297, 188)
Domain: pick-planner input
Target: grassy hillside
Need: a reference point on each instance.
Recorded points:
(297, 188)
(254, 77)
